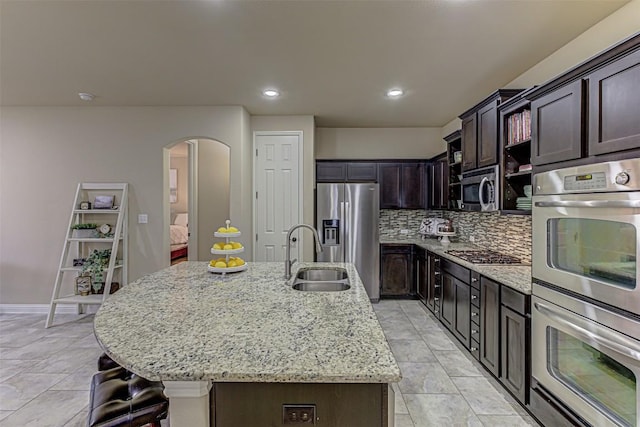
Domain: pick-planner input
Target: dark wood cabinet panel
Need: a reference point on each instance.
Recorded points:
(362, 172)
(402, 185)
(490, 325)
(433, 284)
(487, 142)
(614, 106)
(455, 310)
(469, 143)
(439, 184)
(556, 125)
(514, 372)
(331, 171)
(413, 177)
(390, 176)
(396, 270)
(422, 274)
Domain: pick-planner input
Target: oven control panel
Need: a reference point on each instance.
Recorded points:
(588, 181)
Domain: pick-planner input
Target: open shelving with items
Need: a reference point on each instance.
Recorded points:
(94, 252)
(515, 140)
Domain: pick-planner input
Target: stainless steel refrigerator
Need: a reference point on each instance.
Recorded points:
(347, 222)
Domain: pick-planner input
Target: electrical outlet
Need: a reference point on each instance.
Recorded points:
(143, 218)
(299, 415)
(404, 231)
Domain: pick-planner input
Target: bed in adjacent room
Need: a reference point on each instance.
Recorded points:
(179, 235)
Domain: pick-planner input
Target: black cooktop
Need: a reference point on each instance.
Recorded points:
(485, 256)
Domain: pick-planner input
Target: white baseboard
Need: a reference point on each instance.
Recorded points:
(40, 309)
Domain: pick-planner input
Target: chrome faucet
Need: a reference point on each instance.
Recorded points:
(287, 262)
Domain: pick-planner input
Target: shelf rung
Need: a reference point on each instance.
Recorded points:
(79, 299)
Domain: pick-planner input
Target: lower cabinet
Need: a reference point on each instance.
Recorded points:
(490, 325)
(396, 270)
(422, 274)
(455, 311)
(515, 333)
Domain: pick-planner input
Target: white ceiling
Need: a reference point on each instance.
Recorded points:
(330, 59)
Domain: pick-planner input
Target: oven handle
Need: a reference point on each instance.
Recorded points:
(483, 205)
(589, 204)
(614, 340)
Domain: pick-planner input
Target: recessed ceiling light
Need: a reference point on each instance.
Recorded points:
(86, 96)
(271, 93)
(395, 93)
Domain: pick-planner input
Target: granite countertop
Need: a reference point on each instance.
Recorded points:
(517, 277)
(186, 324)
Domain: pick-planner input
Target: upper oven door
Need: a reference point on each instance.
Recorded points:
(588, 244)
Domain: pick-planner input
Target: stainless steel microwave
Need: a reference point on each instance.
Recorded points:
(480, 189)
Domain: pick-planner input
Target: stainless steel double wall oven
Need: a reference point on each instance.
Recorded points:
(586, 300)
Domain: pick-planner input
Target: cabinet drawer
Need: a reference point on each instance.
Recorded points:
(456, 270)
(514, 300)
(475, 332)
(475, 297)
(475, 314)
(362, 172)
(475, 279)
(392, 248)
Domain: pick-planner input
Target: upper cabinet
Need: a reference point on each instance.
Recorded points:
(402, 185)
(346, 171)
(591, 110)
(480, 131)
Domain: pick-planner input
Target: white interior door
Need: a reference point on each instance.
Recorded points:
(277, 184)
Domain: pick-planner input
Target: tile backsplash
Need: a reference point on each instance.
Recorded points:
(510, 234)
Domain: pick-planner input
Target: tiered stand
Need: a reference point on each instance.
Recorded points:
(227, 253)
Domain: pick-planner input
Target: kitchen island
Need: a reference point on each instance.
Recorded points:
(249, 338)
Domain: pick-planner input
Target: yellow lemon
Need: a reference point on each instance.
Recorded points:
(236, 245)
(222, 230)
(221, 259)
(217, 246)
(212, 263)
(233, 230)
(232, 264)
(227, 247)
(239, 261)
(221, 264)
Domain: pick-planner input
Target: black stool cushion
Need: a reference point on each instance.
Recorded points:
(120, 398)
(105, 362)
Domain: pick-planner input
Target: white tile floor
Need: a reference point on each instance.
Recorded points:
(45, 373)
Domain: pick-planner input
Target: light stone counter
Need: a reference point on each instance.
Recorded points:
(186, 324)
(517, 277)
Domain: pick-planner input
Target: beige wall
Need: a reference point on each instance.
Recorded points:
(306, 124)
(46, 151)
(213, 195)
(378, 143)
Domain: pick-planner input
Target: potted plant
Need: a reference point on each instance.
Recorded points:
(95, 264)
(87, 230)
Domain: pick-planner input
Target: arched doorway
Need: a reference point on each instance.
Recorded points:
(198, 200)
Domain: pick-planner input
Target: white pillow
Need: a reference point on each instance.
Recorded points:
(181, 219)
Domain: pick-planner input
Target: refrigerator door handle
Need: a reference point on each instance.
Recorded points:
(343, 233)
(347, 232)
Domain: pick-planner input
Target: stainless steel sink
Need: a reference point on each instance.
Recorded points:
(321, 286)
(322, 274)
(319, 279)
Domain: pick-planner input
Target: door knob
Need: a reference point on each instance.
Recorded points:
(294, 239)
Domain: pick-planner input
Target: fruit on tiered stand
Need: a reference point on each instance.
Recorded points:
(228, 263)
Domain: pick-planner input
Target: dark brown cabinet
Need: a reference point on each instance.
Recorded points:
(422, 274)
(454, 175)
(455, 311)
(396, 270)
(614, 106)
(402, 185)
(480, 131)
(556, 125)
(439, 184)
(433, 284)
(589, 113)
(490, 325)
(332, 171)
(515, 330)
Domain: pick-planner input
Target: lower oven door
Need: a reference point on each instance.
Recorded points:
(592, 367)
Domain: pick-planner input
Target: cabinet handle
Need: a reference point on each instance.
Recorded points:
(473, 279)
(436, 287)
(436, 299)
(473, 349)
(474, 314)
(473, 331)
(437, 260)
(436, 273)
(474, 296)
